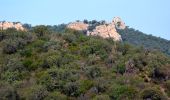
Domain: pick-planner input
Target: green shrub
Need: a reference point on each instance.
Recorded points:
(152, 93)
(7, 92)
(72, 89)
(85, 85)
(101, 85)
(101, 97)
(32, 63)
(167, 87)
(161, 73)
(43, 78)
(26, 52)
(2, 35)
(10, 47)
(41, 30)
(122, 92)
(96, 46)
(93, 72)
(59, 60)
(56, 96)
(121, 68)
(36, 93)
(70, 38)
(11, 77)
(92, 60)
(15, 64)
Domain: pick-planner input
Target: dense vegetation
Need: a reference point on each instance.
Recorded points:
(43, 64)
(136, 37)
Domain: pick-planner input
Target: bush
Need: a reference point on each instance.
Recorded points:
(167, 87)
(41, 30)
(14, 64)
(12, 44)
(36, 93)
(26, 52)
(56, 96)
(121, 68)
(30, 63)
(96, 46)
(161, 73)
(70, 38)
(85, 85)
(101, 97)
(101, 85)
(152, 94)
(93, 72)
(122, 92)
(10, 47)
(72, 89)
(7, 92)
(59, 60)
(2, 35)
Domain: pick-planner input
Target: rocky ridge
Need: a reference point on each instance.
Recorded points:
(6, 25)
(106, 30)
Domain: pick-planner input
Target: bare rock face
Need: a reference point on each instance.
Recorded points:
(106, 30)
(119, 23)
(80, 26)
(5, 25)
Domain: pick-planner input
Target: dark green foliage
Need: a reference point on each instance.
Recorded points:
(56, 63)
(167, 87)
(138, 38)
(37, 93)
(7, 92)
(16, 40)
(9, 48)
(101, 97)
(153, 94)
(56, 96)
(121, 68)
(122, 92)
(71, 89)
(26, 52)
(161, 73)
(96, 46)
(41, 30)
(2, 35)
(93, 72)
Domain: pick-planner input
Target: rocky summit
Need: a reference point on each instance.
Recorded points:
(105, 30)
(6, 25)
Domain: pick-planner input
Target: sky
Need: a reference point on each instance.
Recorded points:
(148, 16)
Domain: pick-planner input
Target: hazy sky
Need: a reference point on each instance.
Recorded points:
(148, 16)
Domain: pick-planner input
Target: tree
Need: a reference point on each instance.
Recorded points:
(41, 30)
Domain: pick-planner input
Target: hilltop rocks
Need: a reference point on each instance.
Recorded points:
(105, 30)
(119, 23)
(80, 26)
(6, 25)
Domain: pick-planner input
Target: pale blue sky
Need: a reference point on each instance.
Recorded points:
(148, 16)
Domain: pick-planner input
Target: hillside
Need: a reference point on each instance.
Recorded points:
(56, 63)
(138, 38)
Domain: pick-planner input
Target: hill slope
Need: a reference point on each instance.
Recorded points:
(138, 38)
(43, 65)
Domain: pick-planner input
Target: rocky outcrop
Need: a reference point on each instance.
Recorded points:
(106, 30)
(6, 25)
(119, 23)
(80, 26)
